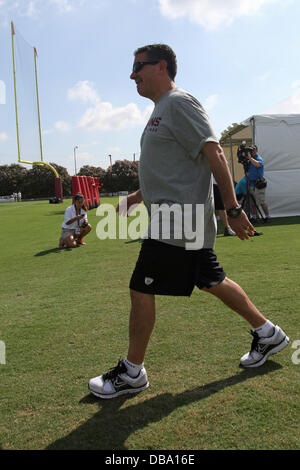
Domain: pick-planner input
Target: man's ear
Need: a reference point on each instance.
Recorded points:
(163, 65)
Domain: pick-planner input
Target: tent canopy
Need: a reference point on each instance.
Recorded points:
(277, 137)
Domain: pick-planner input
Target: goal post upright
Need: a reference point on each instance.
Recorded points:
(15, 89)
(58, 182)
(38, 102)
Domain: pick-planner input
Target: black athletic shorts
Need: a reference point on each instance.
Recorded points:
(164, 269)
(219, 204)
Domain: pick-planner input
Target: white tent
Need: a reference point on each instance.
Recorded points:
(277, 137)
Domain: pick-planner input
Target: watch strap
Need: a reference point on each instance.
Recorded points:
(234, 212)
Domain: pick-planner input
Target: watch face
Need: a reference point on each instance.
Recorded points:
(234, 212)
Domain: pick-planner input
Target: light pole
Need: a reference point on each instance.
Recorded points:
(76, 147)
(110, 173)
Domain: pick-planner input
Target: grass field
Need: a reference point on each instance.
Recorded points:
(64, 316)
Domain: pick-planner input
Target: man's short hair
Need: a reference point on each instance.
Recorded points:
(161, 52)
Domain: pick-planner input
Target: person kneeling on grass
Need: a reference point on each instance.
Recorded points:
(75, 225)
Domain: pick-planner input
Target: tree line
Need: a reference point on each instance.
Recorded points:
(39, 181)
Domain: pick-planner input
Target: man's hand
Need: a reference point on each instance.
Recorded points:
(242, 227)
(219, 167)
(126, 206)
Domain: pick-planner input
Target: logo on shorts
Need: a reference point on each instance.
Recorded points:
(148, 281)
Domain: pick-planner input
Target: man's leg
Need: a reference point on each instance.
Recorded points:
(260, 195)
(141, 323)
(252, 205)
(267, 338)
(130, 376)
(227, 229)
(266, 210)
(235, 298)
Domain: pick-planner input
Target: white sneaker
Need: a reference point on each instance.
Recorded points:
(228, 232)
(117, 382)
(263, 347)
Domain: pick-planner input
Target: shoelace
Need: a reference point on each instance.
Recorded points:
(254, 341)
(256, 346)
(115, 371)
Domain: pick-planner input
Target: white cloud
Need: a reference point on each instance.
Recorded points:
(113, 150)
(3, 136)
(211, 102)
(211, 14)
(63, 6)
(295, 84)
(35, 8)
(84, 91)
(265, 75)
(62, 126)
(31, 9)
(82, 158)
(290, 105)
(102, 115)
(85, 156)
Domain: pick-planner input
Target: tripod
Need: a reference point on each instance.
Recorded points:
(249, 200)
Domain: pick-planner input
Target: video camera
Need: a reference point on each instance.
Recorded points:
(244, 154)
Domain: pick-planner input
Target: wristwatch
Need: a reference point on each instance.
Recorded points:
(234, 212)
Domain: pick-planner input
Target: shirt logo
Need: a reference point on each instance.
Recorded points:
(148, 281)
(153, 124)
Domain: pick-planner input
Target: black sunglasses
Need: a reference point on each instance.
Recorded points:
(137, 66)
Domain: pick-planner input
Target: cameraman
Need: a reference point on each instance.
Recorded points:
(256, 171)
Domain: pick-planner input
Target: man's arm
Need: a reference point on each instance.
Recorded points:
(254, 162)
(219, 167)
(133, 199)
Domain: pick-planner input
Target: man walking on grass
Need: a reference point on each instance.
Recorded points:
(179, 154)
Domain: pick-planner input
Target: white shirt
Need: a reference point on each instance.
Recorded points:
(70, 213)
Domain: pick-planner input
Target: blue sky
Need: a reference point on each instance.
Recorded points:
(238, 57)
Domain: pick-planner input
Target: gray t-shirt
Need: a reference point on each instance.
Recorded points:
(173, 173)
